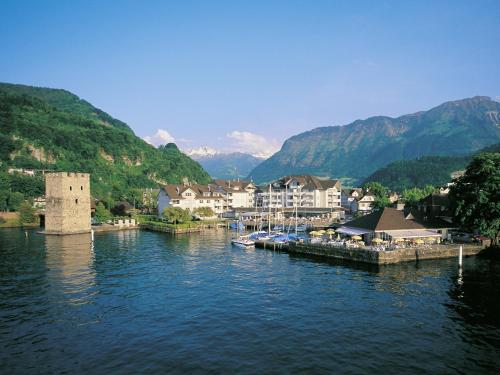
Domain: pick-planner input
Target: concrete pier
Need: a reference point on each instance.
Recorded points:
(365, 255)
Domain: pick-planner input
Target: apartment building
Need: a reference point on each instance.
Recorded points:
(301, 191)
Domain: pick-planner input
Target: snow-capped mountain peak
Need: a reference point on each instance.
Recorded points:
(201, 151)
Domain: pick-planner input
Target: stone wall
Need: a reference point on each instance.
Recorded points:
(162, 228)
(384, 257)
(67, 208)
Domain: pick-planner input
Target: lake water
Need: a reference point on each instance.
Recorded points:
(143, 302)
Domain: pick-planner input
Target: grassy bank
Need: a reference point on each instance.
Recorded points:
(14, 223)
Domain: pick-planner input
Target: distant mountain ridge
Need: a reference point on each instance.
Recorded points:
(358, 149)
(226, 166)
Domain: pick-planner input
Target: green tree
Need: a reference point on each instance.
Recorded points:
(26, 213)
(176, 215)
(204, 212)
(4, 181)
(381, 202)
(102, 214)
(15, 200)
(4, 191)
(412, 196)
(475, 197)
(4, 200)
(375, 188)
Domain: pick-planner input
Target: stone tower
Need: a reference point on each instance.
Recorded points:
(67, 197)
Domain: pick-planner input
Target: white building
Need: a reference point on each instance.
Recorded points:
(301, 191)
(238, 193)
(191, 196)
(363, 204)
(220, 196)
(349, 196)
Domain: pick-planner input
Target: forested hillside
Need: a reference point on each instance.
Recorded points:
(427, 170)
(54, 130)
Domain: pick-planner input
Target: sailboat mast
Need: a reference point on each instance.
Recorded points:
(269, 217)
(296, 214)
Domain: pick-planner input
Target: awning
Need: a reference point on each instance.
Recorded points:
(352, 231)
(414, 233)
(254, 214)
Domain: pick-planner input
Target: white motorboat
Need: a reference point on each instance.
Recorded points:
(243, 241)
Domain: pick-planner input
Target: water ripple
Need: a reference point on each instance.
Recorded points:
(148, 302)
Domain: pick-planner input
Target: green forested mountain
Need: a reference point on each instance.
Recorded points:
(420, 172)
(228, 166)
(55, 130)
(360, 148)
(65, 101)
(427, 170)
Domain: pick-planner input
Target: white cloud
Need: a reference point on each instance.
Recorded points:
(161, 137)
(254, 144)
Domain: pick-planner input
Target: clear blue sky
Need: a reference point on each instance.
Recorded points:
(204, 70)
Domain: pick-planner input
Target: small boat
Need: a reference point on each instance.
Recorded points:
(259, 235)
(301, 228)
(243, 241)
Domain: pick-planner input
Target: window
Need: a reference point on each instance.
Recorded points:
(70, 188)
(81, 188)
(76, 201)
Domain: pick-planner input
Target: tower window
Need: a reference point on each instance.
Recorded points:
(76, 201)
(81, 188)
(70, 188)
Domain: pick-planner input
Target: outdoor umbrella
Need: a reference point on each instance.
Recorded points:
(377, 240)
(356, 238)
(399, 240)
(419, 241)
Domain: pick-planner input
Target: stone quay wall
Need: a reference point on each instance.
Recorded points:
(383, 257)
(162, 228)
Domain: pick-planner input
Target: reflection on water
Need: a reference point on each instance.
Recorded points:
(70, 261)
(475, 297)
(139, 301)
